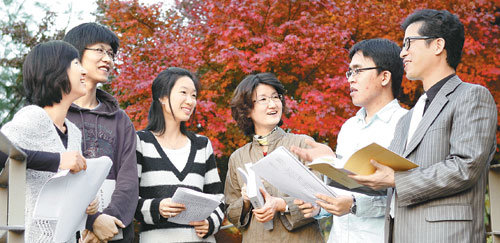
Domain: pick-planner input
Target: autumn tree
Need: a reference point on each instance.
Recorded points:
(18, 34)
(305, 43)
(225, 41)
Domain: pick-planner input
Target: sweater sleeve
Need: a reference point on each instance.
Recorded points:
(213, 185)
(124, 199)
(37, 160)
(148, 209)
(234, 201)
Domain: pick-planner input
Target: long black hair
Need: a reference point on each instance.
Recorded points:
(161, 87)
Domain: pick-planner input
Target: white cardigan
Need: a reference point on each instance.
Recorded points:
(31, 128)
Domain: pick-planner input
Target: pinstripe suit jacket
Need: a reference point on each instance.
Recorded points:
(443, 199)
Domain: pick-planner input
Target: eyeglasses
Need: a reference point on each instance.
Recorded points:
(103, 52)
(356, 71)
(407, 40)
(264, 100)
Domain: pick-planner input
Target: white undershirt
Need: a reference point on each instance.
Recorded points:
(178, 157)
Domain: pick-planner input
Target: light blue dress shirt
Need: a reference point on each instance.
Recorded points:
(368, 223)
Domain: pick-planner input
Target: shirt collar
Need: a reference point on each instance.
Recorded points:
(271, 138)
(432, 91)
(383, 114)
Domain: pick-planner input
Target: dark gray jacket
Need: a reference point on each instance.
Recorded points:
(108, 131)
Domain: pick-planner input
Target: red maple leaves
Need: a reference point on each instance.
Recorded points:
(305, 43)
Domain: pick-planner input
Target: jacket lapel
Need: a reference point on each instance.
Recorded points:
(431, 114)
(398, 145)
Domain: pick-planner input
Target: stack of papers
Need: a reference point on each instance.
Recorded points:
(253, 183)
(284, 171)
(199, 205)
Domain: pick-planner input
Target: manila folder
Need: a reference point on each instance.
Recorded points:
(359, 162)
(327, 166)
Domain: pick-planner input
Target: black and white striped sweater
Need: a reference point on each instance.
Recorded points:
(159, 178)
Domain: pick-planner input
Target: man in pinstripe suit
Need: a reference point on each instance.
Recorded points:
(443, 199)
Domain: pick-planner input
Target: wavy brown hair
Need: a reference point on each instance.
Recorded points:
(242, 101)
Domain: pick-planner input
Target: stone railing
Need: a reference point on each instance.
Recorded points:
(12, 193)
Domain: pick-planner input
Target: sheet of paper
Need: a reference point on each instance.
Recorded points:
(199, 205)
(65, 197)
(253, 183)
(256, 183)
(284, 171)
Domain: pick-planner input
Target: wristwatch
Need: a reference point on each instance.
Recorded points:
(353, 206)
(287, 210)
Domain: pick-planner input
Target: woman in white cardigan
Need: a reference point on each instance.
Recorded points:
(53, 78)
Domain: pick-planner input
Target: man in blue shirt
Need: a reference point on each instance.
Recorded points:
(374, 76)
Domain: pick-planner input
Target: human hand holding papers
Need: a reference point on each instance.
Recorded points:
(66, 196)
(253, 184)
(383, 177)
(348, 171)
(198, 205)
(285, 172)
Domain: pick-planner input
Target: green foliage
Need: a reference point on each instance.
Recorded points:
(19, 33)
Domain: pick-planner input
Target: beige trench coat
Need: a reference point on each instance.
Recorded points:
(288, 227)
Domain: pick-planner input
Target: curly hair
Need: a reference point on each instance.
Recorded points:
(242, 101)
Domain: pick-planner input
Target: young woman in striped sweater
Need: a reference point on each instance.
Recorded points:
(169, 157)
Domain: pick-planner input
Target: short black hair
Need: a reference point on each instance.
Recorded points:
(441, 24)
(45, 72)
(161, 87)
(87, 34)
(242, 100)
(385, 54)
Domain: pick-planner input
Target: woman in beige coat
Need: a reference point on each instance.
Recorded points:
(257, 106)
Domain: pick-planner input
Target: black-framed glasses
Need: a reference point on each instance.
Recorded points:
(356, 71)
(407, 40)
(264, 100)
(103, 52)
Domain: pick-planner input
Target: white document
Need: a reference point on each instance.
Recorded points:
(104, 195)
(66, 196)
(253, 183)
(285, 172)
(199, 205)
